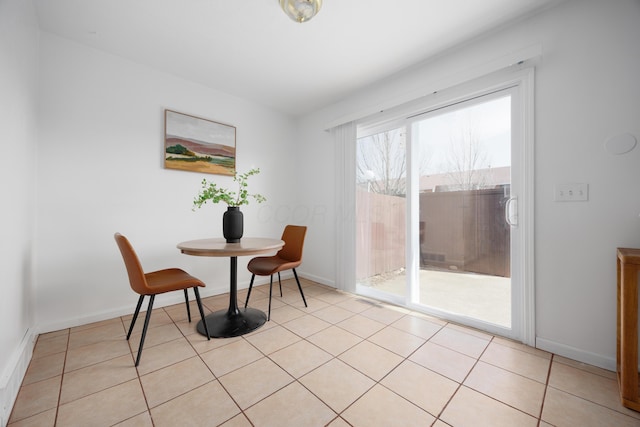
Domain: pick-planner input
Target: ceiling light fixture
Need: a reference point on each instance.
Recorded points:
(301, 10)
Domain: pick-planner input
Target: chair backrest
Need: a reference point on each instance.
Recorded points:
(293, 236)
(134, 268)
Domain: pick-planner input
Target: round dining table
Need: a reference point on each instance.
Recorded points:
(233, 321)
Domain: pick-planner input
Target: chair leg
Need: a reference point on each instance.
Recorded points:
(270, 291)
(280, 283)
(144, 329)
(135, 316)
(199, 301)
(186, 299)
(253, 276)
(299, 287)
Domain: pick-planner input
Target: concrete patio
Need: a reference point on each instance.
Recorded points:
(483, 297)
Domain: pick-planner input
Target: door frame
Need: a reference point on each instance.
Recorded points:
(521, 82)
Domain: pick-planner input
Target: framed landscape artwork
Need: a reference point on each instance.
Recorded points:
(198, 145)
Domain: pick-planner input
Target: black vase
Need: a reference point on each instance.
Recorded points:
(232, 224)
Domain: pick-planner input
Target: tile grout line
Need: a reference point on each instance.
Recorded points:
(64, 364)
(546, 388)
(461, 383)
(138, 376)
(144, 395)
(590, 401)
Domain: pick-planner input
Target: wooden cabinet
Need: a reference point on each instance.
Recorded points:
(628, 266)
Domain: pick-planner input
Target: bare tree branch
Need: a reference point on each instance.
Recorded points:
(381, 162)
(467, 158)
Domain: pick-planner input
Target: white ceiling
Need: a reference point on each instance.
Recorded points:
(251, 49)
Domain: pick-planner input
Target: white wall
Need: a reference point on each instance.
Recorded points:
(101, 171)
(18, 124)
(587, 89)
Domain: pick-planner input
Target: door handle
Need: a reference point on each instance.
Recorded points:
(511, 211)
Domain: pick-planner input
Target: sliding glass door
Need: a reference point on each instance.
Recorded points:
(381, 185)
(464, 192)
(436, 209)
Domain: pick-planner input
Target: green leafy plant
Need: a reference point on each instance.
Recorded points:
(211, 191)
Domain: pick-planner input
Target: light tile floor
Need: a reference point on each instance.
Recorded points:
(344, 361)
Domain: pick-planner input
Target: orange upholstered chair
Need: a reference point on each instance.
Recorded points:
(288, 258)
(154, 283)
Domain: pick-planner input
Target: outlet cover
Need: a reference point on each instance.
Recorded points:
(571, 192)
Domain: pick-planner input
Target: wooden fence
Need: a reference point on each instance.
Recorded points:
(460, 230)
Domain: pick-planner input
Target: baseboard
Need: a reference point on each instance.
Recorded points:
(163, 300)
(285, 275)
(317, 279)
(604, 362)
(14, 373)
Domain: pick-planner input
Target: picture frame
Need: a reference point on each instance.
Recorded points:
(198, 145)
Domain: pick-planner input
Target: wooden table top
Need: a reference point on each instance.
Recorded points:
(218, 247)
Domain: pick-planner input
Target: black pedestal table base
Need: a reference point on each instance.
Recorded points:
(227, 324)
(232, 322)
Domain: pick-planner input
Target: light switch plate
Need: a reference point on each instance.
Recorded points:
(571, 192)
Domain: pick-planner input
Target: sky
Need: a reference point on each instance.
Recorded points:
(489, 123)
(443, 135)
